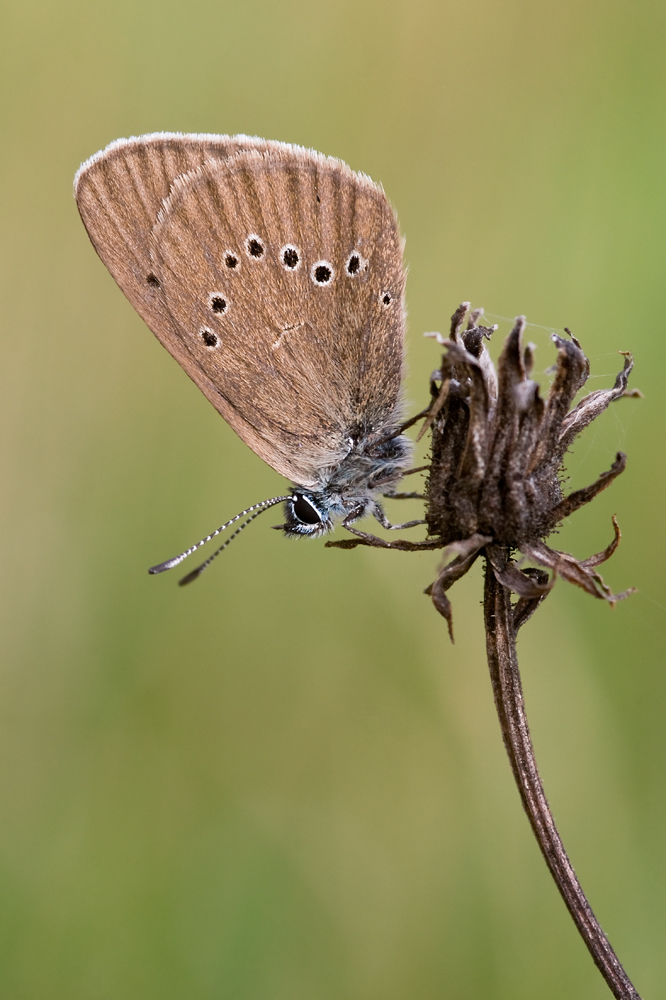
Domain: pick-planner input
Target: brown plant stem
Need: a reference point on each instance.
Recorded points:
(507, 689)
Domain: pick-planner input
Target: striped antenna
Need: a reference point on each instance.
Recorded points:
(196, 573)
(258, 507)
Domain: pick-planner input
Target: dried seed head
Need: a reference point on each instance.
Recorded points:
(497, 453)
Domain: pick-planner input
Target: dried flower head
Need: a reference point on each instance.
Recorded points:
(495, 481)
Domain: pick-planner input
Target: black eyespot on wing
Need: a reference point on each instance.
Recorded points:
(231, 260)
(290, 257)
(356, 264)
(218, 304)
(153, 280)
(254, 246)
(305, 511)
(387, 298)
(322, 272)
(209, 338)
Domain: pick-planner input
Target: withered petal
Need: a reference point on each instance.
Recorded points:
(450, 573)
(508, 574)
(467, 547)
(592, 405)
(458, 320)
(510, 375)
(578, 498)
(572, 570)
(526, 606)
(601, 557)
(435, 408)
(442, 604)
(570, 374)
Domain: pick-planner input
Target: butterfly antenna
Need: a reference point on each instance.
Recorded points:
(196, 573)
(258, 507)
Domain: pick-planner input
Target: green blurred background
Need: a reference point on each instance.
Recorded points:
(284, 783)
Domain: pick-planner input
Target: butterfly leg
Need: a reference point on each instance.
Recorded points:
(400, 544)
(404, 496)
(364, 538)
(385, 523)
(412, 420)
(419, 468)
(403, 427)
(409, 496)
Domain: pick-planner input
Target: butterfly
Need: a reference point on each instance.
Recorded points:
(274, 276)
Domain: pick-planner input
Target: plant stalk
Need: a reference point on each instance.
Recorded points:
(509, 702)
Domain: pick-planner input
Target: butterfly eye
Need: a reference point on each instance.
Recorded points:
(387, 299)
(290, 257)
(153, 280)
(209, 338)
(217, 303)
(355, 264)
(322, 272)
(230, 260)
(254, 246)
(305, 511)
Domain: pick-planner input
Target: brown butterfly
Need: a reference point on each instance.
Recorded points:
(274, 276)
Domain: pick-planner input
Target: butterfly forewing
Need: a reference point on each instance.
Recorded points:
(272, 274)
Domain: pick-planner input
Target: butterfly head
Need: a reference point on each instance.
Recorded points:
(310, 514)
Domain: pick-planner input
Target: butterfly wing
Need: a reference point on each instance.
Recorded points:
(298, 344)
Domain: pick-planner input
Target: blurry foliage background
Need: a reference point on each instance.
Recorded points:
(283, 783)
